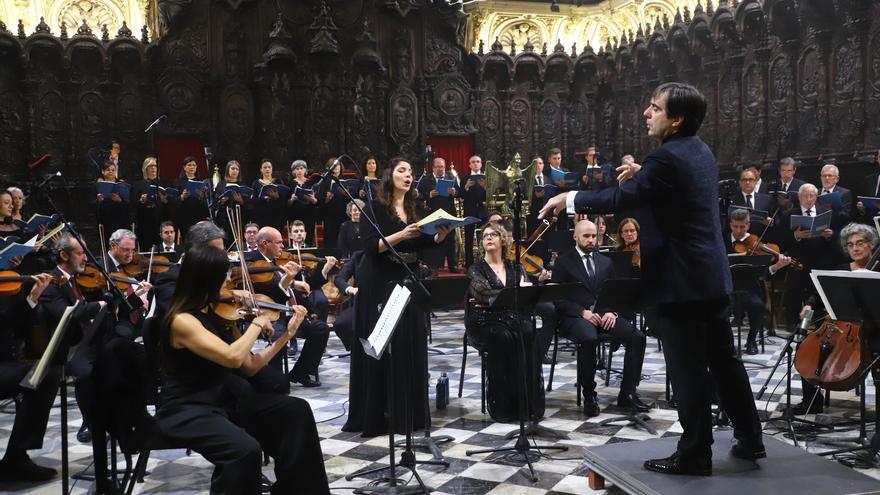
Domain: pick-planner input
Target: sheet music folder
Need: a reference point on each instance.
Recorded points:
(375, 344)
(35, 376)
(846, 294)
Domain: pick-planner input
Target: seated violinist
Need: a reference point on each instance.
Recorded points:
(859, 240)
(121, 254)
(752, 301)
(287, 289)
(497, 331)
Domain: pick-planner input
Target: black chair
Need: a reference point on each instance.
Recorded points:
(464, 351)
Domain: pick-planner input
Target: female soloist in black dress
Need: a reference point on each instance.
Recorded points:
(495, 331)
(394, 213)
(208, 407)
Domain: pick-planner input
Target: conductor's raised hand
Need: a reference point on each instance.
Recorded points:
(626, 170)
(554, 206)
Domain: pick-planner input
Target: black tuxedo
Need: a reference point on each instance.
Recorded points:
(435, 255)
(870, 187)
(569, 267)
(474, 206)
(314, 332)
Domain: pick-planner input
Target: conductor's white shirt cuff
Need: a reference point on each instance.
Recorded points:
(569, 202)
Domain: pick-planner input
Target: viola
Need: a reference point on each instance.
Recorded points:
(140, 264)
(752, 243)
(832, 356)
(91, 280)
(11, 282)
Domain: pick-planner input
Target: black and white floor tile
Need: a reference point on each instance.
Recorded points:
(564, 473)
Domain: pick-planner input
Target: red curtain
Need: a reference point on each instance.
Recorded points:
(173, 149)
(456, 150)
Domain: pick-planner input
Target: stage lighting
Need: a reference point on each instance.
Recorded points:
(554, 7)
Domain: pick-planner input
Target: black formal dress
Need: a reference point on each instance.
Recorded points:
(368, 391)
(496, 332)
(191, 210)
(474, 200)
(349, 239)
(303, 210)
(268, 212)
(147, 216)
(344, 323)
(218, 414)
(332, 212)
(685, 274)
(221, 218)
(113, 215)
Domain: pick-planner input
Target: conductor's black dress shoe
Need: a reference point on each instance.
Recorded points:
(676, 464)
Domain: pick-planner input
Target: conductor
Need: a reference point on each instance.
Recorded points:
(685, 275)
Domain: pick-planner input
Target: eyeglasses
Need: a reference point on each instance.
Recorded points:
(490, 235)
(859, 243)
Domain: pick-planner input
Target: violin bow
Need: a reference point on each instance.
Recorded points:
(234, 217)
(150, 266)
(752, 249)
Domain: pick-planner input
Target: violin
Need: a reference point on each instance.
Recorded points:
(11, 282)
(636, 249)
(140, 264)
(91, 280)
(304, 260)
(260, 272)
(533, 265)
(752, 243)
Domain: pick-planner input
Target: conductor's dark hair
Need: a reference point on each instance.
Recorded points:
(684, 100)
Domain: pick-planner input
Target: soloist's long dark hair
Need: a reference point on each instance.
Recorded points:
(202, 273)
(386, 192)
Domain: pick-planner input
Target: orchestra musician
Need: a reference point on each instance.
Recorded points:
(250, 237)
(32, 407)
(394, 212)
(628, 232)
(751, 301)
(149, 213)
(582, 325)
(213, 410)
(286, 288)
(687, 281)
(346, 282)
(167, 246)
(191, 208)
(859, 240)
(349, 232)
(113, 212)
(496, 331)
(305, 209)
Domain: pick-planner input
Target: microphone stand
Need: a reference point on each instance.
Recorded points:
(408, 457)
(98, 434)
(209, 194)
(522, 448)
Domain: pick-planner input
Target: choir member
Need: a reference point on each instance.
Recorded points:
(539, 196)
(269, 207)
(7, 226)
(394, 212)
(333, 205)
(209, 408)
(231, 176)
(371, 179)
(149, 208)
(112, 212)
(474, 196)
(432, 201)
(192, 208)
(303, 209)
(497, 331)
(829, 176)
(554, 158)
(349, 232)
(17, 202)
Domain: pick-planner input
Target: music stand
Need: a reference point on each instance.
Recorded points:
(622, 262)
(623, 295)
(445, 292)
(745, 270)
(515, 298)
(560, 240)
(849, 296)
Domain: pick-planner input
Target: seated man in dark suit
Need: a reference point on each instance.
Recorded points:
(752, 301)
(32, 409)
(166, 246)
(286, 289)
(579, 323)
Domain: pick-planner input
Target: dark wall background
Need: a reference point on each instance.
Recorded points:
(320, 77)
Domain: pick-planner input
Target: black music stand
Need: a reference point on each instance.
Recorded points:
(560, 240)
(524, 297)
(622, 262)
(623, 295)
(745, 271)
(851, 296)
(445, 292)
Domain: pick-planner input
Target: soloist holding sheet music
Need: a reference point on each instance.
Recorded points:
(685, 274)
(394, 211)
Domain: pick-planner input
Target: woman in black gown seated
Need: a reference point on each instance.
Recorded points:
(495, 331)
(206, 406)
(394, 211)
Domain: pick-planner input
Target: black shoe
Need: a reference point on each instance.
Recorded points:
(803, 407)
(751, 348)
(675, 464)
(632, 401)
(749, 451)
(24, 469)
(305, 381)
(84, 435)
(591, 404)
(546, 359)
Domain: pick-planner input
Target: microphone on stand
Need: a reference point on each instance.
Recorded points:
(49, 179)
(804, 327)
(329, 171)
(155, 123)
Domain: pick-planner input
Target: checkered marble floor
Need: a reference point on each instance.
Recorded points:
(564, 473)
